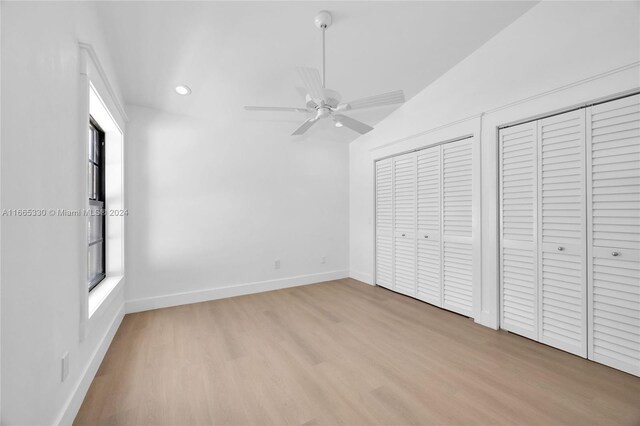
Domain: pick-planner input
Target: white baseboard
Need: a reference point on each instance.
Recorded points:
(361, 276)
(175, 299)
(70, 410)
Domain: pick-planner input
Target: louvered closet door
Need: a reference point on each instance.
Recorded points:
(562, 232)
(384, 223)
(457, 227)
(429, 218)
(404, 201)
(614, 233)
(518, 228)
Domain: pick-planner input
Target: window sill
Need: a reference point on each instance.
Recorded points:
(101, 292)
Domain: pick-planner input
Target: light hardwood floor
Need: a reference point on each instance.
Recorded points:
(342, 352)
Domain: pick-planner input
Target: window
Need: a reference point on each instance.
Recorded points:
(101, 120)
(96, 216)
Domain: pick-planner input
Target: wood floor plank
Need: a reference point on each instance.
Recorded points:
(342, 353)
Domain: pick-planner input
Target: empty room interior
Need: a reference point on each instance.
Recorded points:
(320, 213)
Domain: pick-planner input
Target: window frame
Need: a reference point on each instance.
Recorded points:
(97, 205)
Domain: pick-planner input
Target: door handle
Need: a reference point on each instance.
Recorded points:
(403, 235)
(426, 236)
(560, 248)
(615, 253)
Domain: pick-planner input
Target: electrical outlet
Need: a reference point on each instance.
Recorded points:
(323, 260)
(64, 366)
(276, 264)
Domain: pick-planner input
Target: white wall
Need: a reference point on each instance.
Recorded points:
(43, 166)
(557, 55)
(214, 202)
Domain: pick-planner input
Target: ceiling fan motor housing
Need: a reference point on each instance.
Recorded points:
(331, 98)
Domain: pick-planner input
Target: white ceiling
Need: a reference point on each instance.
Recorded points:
(237, 53)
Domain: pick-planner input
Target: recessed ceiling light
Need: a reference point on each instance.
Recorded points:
(183, 90)
(338, 124)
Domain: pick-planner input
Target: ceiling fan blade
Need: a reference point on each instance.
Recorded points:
(395, 97)
(268, 108)
(353, 124)
(304, 126)
(312, 82)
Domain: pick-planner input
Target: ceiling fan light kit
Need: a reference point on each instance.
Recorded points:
(323, 102)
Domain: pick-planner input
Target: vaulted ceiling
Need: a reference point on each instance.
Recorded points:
(237, 53)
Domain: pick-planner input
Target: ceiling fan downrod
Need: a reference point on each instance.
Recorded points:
(323, 21)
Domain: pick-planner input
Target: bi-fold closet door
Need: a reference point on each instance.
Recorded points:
(543, 231)
(570, 231)
(384, 223)
(613, 206)
(404, 223)
(424, 225)
(429, 211)
(562, 232)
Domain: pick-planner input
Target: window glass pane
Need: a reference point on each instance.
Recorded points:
(90, 182)
(92, 135)
(96, 148)
(95, 262)
(96, 181)
(95, 224)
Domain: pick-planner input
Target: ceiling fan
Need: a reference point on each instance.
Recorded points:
(325, 103)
